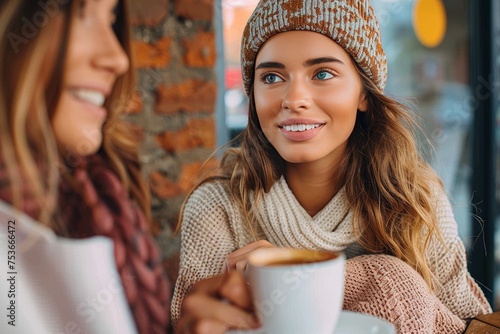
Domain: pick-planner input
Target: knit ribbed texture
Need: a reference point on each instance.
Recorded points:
(105, 208)
(350, 23)
(406, 301)
(213, 227)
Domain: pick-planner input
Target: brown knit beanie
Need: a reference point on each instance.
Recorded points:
(350, 23)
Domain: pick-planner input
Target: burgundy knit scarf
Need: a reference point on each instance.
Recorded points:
(103, 207)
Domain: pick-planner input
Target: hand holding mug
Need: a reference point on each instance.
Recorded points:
(238, 260)
(217, 304)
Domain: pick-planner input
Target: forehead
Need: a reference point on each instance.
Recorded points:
(300, 45)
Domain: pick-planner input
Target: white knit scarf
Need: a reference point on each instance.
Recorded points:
(287, 224)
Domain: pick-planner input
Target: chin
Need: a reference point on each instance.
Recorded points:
(297, 154)
(83, 147)
(88, 147)
(90, 151)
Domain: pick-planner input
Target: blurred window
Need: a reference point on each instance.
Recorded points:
(435, 80)
(235, 14)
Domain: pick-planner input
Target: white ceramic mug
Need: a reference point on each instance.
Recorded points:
(297, 291)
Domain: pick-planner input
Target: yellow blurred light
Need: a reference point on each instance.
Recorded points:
(429, 22)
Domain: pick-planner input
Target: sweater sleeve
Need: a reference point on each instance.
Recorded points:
(457, 289)
(206, 240)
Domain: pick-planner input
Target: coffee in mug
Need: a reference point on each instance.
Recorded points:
(297, 291)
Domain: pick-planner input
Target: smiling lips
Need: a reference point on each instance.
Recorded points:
(93, 97)
(300, 127)
(300, 131)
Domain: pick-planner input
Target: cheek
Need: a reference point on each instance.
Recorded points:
(64, 128)
(267, 103)
(73, 133)
(266, 116)
(342, 103)
(260, 102)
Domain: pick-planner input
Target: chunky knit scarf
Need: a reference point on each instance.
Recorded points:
(102, 206)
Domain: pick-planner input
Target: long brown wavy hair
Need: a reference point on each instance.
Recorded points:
(391, 189)
(28, 150)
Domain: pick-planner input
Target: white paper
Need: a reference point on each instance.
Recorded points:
(59, 285)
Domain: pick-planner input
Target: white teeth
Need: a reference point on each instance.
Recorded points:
(91, 96)
(300, 127)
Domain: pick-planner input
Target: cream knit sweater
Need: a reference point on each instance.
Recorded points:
(213, 227)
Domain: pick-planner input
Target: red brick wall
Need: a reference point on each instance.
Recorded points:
(174, 51)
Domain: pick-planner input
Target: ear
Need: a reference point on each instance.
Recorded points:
(363, 102)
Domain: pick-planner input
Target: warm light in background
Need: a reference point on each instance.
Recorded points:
(429, 22)
(235, 14)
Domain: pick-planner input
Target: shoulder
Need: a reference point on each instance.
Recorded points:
(444, 213)
(211, 200)
(215, 192)
(441, 201)
(209, 213)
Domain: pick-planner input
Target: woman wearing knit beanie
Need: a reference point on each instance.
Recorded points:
(73, 207)
(327, 161)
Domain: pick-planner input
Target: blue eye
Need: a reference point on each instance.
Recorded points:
(271, 78)
(323, 75)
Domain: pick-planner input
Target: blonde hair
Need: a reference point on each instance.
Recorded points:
(28, 150)
(390, 188)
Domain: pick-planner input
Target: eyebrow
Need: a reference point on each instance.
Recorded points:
(307, 63)
(322, 60)
(269, 64)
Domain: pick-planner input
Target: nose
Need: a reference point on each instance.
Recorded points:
(297, 96)
(112, 56)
